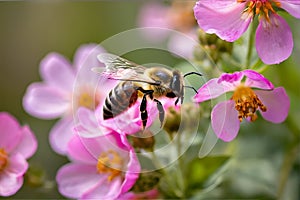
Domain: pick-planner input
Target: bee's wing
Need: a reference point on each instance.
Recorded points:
(118, 68)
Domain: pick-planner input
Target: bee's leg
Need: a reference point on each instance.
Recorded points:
(146, 92)
(143, 106)
(176, 101)
(161, 111)
(143, 110)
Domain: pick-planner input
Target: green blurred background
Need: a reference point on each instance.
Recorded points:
(30, 30)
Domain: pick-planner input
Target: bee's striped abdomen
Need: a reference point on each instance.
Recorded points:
(119, 99)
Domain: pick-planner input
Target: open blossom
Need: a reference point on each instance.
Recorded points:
(229, 19)
(255, 93)
(64, 89)
(102, 168)
(16, 145)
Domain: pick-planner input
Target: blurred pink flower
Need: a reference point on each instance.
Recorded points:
(229, 19)
(64, 89)
(175, 21)
(16, 145)
(249, 95)
(102, 168)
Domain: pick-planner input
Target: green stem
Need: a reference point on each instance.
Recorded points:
(256, 65)
(262, 69)
(180, 163)
(289, 159)
(286, 168)
(250, 45)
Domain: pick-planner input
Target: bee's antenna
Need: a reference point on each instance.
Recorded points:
(187, 86)
(189, 73)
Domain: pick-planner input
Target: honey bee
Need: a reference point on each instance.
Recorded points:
(137, 81)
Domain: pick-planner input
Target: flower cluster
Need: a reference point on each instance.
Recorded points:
(104, 151)
(103, 162)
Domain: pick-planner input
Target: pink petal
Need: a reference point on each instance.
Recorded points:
(104, 190)
(61, 134)
(86, 56)
(10, 183)
(87, 125)
(225, 121)
(291, 6)
(277, 103)
(231, 80)
(46, 102)
(85, 60)
(79, 152)
(126, 122)
(28, 144)
(256, 80)
(95, 146)
(132, 173)
(76, 179)
(274, 40)
(216, 87)
(57, 71)
(222, 17)
(17, 165)
(10, 132)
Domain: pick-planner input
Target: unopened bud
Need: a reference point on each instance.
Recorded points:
(213, 45)
(143, 140)
(173, 120)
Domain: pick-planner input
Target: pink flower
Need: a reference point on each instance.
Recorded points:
(229, 19)
(16, 145)
(64, 89)
(175, 21)
(102, 168)
(255, 93)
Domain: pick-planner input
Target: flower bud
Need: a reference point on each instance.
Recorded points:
(184, 117)
(143, 140)
(146, 181)
(213, 45)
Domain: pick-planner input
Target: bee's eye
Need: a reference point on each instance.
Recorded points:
(175, 84)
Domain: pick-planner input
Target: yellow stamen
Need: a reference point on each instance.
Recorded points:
(261, 7)
(247, 102)
(110, 162)
(87, 100)
(3, 159)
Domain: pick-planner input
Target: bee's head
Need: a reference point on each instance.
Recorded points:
(176, 86)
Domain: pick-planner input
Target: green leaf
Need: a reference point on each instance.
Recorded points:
(199, 171)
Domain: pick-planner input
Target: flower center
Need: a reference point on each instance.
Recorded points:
(261, 7)
(110, 162)
(86, 100)
(3, 159)
(247, 102)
